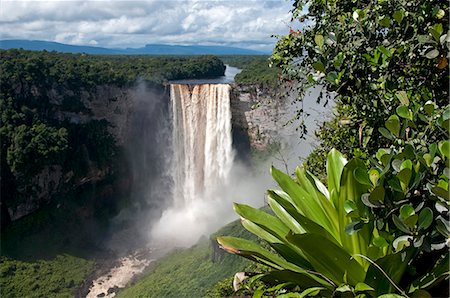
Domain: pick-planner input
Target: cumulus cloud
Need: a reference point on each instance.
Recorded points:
(123, 24)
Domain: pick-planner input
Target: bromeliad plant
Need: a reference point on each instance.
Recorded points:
(322, 239)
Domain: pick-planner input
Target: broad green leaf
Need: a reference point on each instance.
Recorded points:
(402, 97)
(385, 21)
(309, 183)
(404, 176)
(398, 16)
(429, 107)
(374, 175)
(319, 40)
(425, 218)
(319, 66)
(305, 202)
(394, 265)
(311, 292)
(377, 195)
(393, 125)
(404, 112)
(406, 211)
(385, 133)
(269, 223)
(330, 259)
(291, 277)
(440, 192)
(362, 287)
(254, 252)
(390, 296)
(361, 176)
(399, 224)
(287, 212)
(380, 242)
(335, 165)
(444, 148)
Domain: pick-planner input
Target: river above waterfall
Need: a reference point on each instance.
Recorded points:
(228, 78)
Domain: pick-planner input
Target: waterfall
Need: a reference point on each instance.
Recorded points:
(202, 140)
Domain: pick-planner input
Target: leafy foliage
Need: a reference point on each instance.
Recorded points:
(316, 244)
(387, 64)
(50, 278)
(33, 136)
(194, 272)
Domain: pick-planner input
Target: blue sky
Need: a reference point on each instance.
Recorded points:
(245, 23)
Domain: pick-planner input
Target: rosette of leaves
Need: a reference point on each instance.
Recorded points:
(321, 238)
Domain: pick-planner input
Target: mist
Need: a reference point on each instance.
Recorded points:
(246, 183)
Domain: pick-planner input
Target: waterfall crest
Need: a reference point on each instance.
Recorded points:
(202, 140)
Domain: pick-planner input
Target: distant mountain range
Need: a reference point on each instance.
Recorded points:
(150, 49)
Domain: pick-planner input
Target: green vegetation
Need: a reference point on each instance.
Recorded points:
(34, 137)
(384, 222)
(58, 277)
(255, 70)
(193, 272)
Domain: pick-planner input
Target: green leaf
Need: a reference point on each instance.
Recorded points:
(291, 277)
(444, 148)
(319, 40)
(390, 296)
(329, 258)
(287, 212)
(303, 201)
(362, 287)
(394, 265)
(393, 125)
(432, 54)
(267, 222)
(385, 21)
(319, 66)
(425, 218)
(361, 176)
(254, 252)
(398, 16)
(399, 224)
(374, 175)
(385, 133)
(311, 292)
(406, 211)
(440, 192)
(401, 242)
(377, 195)
(404, 112)
(429, 107)
(344, 289)
(402, 97)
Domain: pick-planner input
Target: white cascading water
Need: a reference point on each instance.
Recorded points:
(201, 163)
(202, 141)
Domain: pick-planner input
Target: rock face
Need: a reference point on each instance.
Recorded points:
(258, 115)
(119, 106)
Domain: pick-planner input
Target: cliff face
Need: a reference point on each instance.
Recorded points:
(138, 118)
(258, 115)
(119, 107)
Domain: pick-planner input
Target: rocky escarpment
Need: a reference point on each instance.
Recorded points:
(119, 108)
(259, 114)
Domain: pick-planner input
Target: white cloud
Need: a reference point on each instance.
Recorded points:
(136, 23)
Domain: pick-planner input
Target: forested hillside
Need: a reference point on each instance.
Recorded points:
(48, 128)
